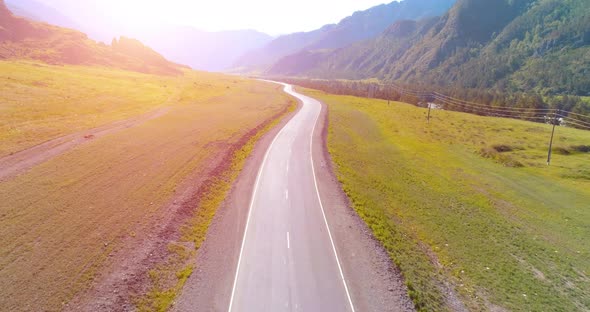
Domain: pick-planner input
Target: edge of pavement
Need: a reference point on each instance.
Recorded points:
(210, 285)
(375, 283)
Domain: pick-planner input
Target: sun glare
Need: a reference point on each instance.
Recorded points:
(274, 17)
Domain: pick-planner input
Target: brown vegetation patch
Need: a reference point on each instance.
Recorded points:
(498, 154)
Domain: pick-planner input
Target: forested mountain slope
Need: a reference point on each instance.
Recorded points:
(512, 45)
(360, 26)
(203, 50)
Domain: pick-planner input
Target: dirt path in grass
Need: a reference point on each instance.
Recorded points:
(24, 160)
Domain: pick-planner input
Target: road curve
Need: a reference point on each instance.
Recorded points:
(288, 261)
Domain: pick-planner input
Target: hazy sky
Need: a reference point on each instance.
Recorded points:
(272, 17)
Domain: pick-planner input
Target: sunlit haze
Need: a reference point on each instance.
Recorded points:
(272, 17)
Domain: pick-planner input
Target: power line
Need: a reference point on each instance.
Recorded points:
(574, 119)
(576, 122)
(516, 109)
(496, 111)
(493, 109)
(572, 113)
(490, 108)
(453, 103)
(457, 101)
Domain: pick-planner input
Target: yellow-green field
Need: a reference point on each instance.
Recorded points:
(40, 102)
(61, 219)
(469, 202)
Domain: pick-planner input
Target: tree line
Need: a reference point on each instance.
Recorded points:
(529, 106)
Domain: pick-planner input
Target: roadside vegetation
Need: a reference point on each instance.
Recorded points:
(466, 205)
(168, 278)
(61, 221)
(484, 102)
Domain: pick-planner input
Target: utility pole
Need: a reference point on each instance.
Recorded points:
(429, 108)
(553, 121)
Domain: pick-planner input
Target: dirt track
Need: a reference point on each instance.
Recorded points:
(21, 161)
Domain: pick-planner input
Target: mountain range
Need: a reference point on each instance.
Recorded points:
(21, 38)
(511, 45)
(507, 45)
(40, 12)
(211, 51)
(360, 26)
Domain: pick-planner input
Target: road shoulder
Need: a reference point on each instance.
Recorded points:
(209, 287)
(375, 284)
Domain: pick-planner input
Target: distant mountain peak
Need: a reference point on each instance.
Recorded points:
(510, 45)
(203, 50)
(359, 26)
(3, 8)
(401, 29)
(24, 39)
(40, 12)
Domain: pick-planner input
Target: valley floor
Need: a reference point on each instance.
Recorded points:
(147, 187)
(466, 206)
(375, 284)
(110, 181)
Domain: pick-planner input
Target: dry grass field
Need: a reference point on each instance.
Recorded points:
(40, 102)
(61, 219)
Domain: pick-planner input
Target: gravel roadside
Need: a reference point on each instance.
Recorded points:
(375, 283)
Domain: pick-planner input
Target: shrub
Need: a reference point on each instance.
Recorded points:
(494, 153)
(502, 148)
(581, 148)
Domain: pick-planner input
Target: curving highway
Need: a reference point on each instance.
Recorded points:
(288, 261)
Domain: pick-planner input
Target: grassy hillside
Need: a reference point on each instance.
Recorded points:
(60, 221)
(21, 38)
(510, 45)
(468, 203)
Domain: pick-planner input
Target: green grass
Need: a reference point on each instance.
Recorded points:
(469, 201)
(60, 220)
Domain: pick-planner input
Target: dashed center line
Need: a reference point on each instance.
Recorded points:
(288, 241)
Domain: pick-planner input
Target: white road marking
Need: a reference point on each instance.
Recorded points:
(319, 199)
(288, 241)
(233, 292)
(323, 213)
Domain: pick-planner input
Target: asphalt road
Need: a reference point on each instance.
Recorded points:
(287, 260)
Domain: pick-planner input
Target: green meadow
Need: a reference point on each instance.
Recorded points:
(467, 204)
